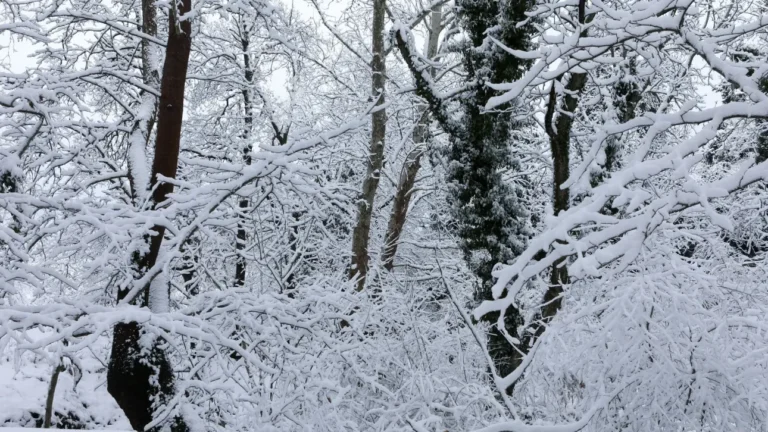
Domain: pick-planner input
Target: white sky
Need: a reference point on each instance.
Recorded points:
(14, 54)
(305, 9)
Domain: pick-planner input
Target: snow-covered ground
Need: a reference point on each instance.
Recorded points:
(18, 429)
(24, 382)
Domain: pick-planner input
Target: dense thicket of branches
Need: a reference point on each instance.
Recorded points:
(393, 215)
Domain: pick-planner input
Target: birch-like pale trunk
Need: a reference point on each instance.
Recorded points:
(146, 113)
(241, 236)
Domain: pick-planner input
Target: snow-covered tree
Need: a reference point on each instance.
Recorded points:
(562, 222)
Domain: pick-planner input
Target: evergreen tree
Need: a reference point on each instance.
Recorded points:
(491, 218)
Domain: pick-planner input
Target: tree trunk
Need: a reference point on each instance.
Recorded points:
(560, 143)
(626, 99)
(140, 378)
(149, 27)
(559, 139)
(412, 161)
(291, 280)
(490, 219)
(188, 269)
(144, 122)
(403, 194)
(240, 266)
(51, 395)
(360, 236)
(560, 146)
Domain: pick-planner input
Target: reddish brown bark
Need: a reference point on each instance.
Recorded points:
(132, 370)
(170, 116)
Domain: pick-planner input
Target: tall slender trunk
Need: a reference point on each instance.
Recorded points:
(559, 139)
(412, 161)
(361, 234)
(560, 146)
(240, 265)
(139, 378)
(291, 281)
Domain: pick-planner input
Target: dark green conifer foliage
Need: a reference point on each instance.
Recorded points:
(491, 216)
(492, 219)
